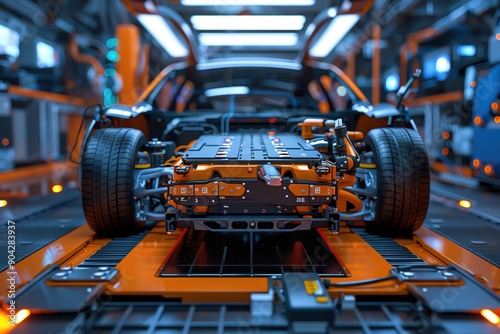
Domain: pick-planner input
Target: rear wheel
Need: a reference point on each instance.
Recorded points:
(403, 181)
(107, 181)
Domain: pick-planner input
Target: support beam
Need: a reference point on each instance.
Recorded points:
(376, 65)
(351, 66)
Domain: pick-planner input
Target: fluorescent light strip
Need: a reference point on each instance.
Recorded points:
(333, 34)
(160, 30)
(248, 22)
(248, 39)
(247, 2)
(224, 91)
(249, 62)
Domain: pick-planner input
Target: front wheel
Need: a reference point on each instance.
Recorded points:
(107, 181)
(403, 181)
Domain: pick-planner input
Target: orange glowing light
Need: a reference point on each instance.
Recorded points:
(490, 315)
(57, 188)
(5, 141)
(473, 83)
(446, 135)
(494, 106)
(21, 315)
(8, 321)
(497, 36)
(4, 322)
(478, 120)
(445, 151)
(3, 203)
(488, 170)
(496, 119)
(464, 203)
(476, 163)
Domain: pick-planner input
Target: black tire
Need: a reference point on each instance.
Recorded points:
(107, 181)
(403, 181)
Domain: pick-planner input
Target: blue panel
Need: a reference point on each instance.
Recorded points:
(486, 141)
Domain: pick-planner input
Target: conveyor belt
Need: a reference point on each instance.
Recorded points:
(389, 249)
(484, 201)
(19, 209)
(41, 224)
(114, 251)
(471, 232)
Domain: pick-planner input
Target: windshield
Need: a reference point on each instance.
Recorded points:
(250, 89)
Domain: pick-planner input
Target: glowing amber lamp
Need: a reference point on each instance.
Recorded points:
(21, 315)
(490, 316)
(57, 188)
(7, 323)
(464, 203)
(488, 170)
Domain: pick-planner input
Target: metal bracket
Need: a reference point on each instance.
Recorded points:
(171, 217)
(85, 274)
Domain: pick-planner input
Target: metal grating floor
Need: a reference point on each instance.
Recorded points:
(366, 317)
(201, 253)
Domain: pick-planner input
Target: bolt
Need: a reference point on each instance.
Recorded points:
(448, 274)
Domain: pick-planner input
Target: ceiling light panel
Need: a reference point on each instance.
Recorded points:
(333, 34)
(232, 90)
(247, 2)
(248, 39)
(159, 29)
(248, 22)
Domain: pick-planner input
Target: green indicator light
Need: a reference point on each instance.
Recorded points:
(110, 72)
(112, 56)
(112, 42)
(107, 93)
